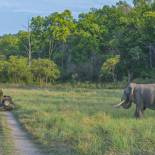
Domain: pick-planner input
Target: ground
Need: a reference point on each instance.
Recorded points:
(6, 141)
(82, 122)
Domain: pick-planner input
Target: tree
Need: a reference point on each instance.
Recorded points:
(18, 70)
(44, 71)
(52, 29)
(38, 36)
(109, 66)
(4, 77)
(9, 45)
(79, 46)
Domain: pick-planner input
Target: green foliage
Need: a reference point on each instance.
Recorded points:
(9, 45)
(80, 46)
(23, 43)
(48, 32)
(18, 70)
(109, 66)
(4, 65)
(44, 70)
(61, 25)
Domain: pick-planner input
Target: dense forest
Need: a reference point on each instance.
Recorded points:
(113, 43)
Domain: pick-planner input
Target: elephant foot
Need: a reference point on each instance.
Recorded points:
(138, 115)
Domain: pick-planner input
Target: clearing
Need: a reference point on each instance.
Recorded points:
(83, 122)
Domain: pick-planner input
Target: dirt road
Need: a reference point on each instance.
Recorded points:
(22, 142)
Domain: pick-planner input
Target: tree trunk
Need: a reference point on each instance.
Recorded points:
(150, 55)
(113, 76)
(129, 76)
(52, 46)
(62, 59)
(49, 52)
(30, 46)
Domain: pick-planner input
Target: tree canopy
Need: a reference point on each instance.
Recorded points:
(89, 46)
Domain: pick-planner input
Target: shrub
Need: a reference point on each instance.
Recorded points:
(44, 70)
(4, 70)
(18, 70)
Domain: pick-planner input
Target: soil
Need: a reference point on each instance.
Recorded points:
(23, 145)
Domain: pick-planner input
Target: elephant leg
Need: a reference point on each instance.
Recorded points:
(139, 106)
(144, 108)
(139, 112)
(139, 109)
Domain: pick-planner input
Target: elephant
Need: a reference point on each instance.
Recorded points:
(143, 95)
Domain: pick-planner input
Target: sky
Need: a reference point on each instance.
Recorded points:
(14, 14)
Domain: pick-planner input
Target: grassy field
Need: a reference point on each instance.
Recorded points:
(6, 142)
(83, 122)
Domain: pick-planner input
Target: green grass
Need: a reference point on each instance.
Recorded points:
(83, 122)
(6, 142)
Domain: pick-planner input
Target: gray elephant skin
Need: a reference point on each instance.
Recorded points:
(143, 95)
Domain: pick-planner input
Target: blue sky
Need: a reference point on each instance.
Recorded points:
(14, 14)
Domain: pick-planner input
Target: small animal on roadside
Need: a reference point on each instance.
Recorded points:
(143, 95)
(7, 103)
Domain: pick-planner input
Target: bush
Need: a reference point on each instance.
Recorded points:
(18, 70)
(4, 71)
(44, 71)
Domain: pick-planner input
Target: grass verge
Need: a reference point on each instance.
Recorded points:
(83, 122)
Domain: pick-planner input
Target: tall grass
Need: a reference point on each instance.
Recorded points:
(67, 86)
(83, 122)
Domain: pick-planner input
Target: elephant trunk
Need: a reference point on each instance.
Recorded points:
(127, 105)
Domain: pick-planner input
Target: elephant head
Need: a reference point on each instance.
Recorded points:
(127, 97)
